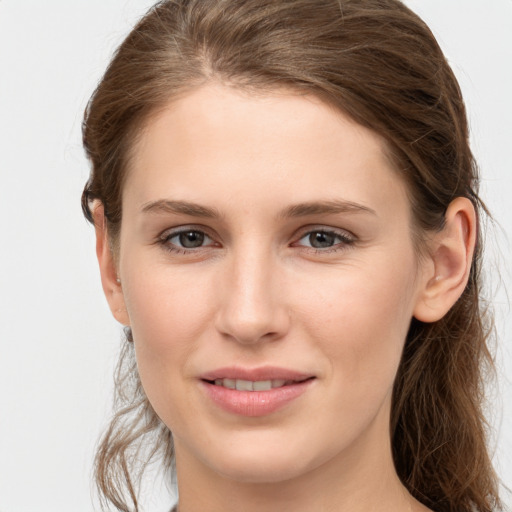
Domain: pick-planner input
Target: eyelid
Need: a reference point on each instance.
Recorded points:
(347, 237)
(306, 230)
(163, 239)
(165, 236)
(183, 228)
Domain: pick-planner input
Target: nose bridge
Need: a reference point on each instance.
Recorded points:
(252, 305)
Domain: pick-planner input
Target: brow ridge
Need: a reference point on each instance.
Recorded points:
(325, 208)
(329, 207)
(180, 207)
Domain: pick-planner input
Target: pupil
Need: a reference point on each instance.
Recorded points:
(320, 240)
(191, 239)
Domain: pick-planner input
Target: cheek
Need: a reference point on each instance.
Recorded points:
(361, 322)
(168, 314)
(166, 304)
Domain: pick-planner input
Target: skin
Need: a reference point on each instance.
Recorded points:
(257, 293)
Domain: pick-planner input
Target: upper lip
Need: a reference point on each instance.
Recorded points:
(255, 374)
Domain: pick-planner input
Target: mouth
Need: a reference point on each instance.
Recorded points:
(254, 392)
(257, 385)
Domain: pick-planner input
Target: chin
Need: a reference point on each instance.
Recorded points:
(259, 471)
(261, 462)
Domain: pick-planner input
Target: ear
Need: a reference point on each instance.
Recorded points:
(450, 258)
(112, 287)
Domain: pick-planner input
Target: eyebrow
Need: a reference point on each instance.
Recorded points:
(325, 208)
(297, 210)
(183, 207)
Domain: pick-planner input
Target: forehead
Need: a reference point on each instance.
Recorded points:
(218, 142)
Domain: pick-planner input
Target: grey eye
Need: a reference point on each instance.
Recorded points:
(185, 240)
(322, 239)
(190, 239)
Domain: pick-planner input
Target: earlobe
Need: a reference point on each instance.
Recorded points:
(452, 251)
(112, 286)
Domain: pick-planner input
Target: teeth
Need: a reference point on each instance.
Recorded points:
(243, 385)
(249, 385)
(229, 383)
(262, 385)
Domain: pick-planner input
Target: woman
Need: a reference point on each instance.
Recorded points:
(287, 217)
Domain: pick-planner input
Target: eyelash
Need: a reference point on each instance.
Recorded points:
(344, 240)
(166, 237)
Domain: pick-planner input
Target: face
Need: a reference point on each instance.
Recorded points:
(266, 246)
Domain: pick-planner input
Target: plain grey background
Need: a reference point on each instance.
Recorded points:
(58, 343)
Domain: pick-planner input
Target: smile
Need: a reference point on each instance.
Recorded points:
(256, 392)
(248, 385)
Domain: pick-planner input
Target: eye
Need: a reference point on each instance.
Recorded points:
(185, 240)
(323, 240)
(189, 239)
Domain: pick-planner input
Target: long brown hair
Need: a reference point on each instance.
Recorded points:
(376, 61)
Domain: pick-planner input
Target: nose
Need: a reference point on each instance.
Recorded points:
(253, 307)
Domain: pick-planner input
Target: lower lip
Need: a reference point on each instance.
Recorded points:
(254, 403)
